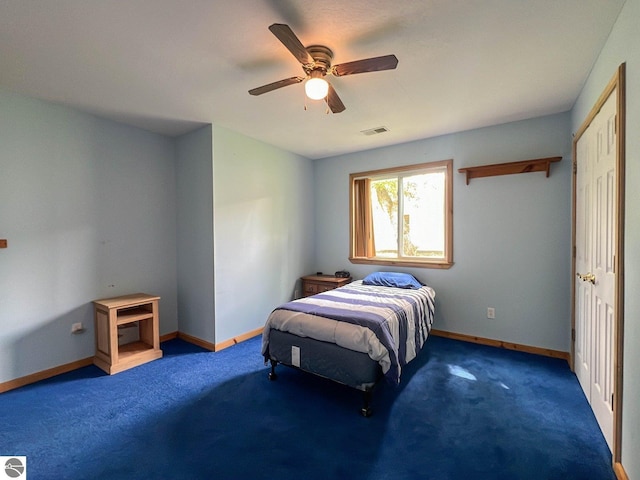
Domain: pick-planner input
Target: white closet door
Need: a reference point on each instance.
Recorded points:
(596, 202)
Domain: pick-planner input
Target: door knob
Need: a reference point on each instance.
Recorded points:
(587, 277)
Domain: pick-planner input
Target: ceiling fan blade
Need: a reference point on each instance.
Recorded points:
(293, 44)
(334, 102)
(275, 85)
(375, 64)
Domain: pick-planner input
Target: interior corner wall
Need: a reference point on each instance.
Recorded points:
(88, 208)
(194, 179)
(621, 47)
(263, 229)
(511, 235)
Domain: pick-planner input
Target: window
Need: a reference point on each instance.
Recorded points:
(403, 216)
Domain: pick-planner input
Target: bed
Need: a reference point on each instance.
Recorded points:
(356, 335)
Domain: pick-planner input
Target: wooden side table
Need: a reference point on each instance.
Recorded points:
(312, 284)
(111, 313)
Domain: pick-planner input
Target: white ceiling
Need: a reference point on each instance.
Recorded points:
(170, 66)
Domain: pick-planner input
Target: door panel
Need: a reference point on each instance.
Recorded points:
(583, 324)
(604, 288)
(596, 215)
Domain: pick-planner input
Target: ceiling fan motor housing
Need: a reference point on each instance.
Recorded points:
(322, 57)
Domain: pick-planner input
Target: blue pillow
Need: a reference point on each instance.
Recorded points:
(392, 279)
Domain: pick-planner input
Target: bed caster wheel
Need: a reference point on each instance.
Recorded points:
(366, 412)
(272, 376)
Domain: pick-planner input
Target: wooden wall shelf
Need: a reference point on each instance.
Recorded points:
(526, 166)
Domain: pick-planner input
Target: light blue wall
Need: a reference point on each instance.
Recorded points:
(245, 231)
(93, 208)
(263, 224)
(512, 234)
(88, 208)
(194, 172)
(621, 47)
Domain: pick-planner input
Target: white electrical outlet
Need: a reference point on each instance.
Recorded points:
(491, 312)
(77, 328)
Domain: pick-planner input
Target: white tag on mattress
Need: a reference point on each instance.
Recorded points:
(295, 356)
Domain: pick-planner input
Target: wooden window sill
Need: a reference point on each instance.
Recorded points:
(440, 264)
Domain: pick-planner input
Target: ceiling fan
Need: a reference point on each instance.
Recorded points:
(316, 63)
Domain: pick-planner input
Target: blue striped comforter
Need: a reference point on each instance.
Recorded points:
(399, 320)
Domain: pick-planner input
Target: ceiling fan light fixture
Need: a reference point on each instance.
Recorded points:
(316, 87)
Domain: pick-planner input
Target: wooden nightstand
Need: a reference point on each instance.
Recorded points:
(112, 313)
(312, 284)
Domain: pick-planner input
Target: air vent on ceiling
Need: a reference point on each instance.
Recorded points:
(374, 131)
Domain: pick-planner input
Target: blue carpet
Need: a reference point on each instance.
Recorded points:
(463, 411)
